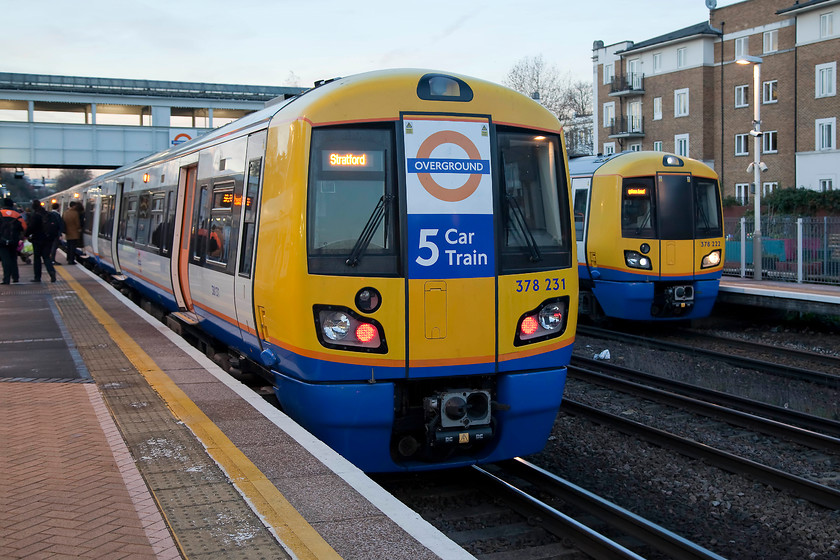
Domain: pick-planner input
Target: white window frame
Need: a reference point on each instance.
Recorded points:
(657, 146)
(771, 41)
(770, 92)
(637, 147)
(826, 25)
(826, 184)
(657, 63)
(680, 139)
(609, 148)
(768, 187)
(742, 47)
(657, 108)
(742, 144)
(742, 193)
(825, 80)
(679, 110)
(770, 142)
(609, 73)
(682, 54)
(742, 96)
(609, 114)
(826, 134)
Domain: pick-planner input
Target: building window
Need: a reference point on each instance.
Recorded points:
(826, 25)
(769, 187)
(826, 185)
(769, 142)
(825, 133)
(742, 47)
(635, 147)
(681, 102)
(657, 108)
(682, 53)
(742, 145)
(609, 73)
(771, 41)
(609, 148)
(657, 63)
(681, 145)
(742, 96)
(825, 73)
(657, 146)
(609, 114)
(770, 91)
(742, 193)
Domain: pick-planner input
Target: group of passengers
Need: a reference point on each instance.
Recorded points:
(37, 232)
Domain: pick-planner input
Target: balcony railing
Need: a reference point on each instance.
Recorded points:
(631, 84)
(627, 127)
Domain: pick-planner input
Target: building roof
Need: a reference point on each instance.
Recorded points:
(693, 30)
(805, 5)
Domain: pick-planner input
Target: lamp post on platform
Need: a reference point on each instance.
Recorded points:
(756, 166)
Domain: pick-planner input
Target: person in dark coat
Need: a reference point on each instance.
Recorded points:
(12, 227)
(72, 231)
(41, 241)
(54, 248)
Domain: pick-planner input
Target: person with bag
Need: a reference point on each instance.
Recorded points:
(72, 231)
(42, 240)
(55, 221)
(12, 228)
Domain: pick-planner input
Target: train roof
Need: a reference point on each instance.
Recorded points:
(588, 165)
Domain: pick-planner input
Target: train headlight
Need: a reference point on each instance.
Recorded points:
(712, 259)
(545, 322)
(336, 326)
(634, 259)
(341, 328)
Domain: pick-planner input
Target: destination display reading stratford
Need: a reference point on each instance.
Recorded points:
(352, 161)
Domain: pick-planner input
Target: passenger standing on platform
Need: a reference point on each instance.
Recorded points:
(42, 238)
(12, 227)
(72, 231)
(55, 216)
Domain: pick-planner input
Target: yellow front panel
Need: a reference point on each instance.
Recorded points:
(451, 321)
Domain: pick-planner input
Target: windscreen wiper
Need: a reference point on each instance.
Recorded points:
(376, 217)
(516, 216)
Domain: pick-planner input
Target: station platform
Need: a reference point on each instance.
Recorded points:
(119, 440)
(820, 299)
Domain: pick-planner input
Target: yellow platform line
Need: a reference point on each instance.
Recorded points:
(292, 529)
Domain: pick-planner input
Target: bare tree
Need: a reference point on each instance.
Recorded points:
(579, 98)
(534, 78)
(71, 177)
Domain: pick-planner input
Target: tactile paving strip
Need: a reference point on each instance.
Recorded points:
(204, 511)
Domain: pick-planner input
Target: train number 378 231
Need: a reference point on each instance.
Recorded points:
(535, 285)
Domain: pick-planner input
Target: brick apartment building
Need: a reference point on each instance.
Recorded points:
(682, 92)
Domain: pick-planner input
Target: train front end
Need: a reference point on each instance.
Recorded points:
(657, 252)
(420, 304)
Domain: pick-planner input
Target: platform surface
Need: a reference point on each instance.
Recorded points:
(119, 440)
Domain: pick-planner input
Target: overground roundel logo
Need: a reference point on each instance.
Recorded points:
(432, 187)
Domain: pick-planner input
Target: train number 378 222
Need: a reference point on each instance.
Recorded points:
(535, 285)
(710, 244)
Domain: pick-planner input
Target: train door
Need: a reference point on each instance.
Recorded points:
(117, 235)
(450, 246)
(580, 190)
(675, 209)
(179, 263)
(243, 278)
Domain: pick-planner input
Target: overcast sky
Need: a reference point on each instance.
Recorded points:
(282, 42)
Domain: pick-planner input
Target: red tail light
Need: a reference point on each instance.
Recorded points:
(529, 325)
(366, 332)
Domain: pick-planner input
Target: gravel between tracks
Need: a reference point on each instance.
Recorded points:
(729, 514)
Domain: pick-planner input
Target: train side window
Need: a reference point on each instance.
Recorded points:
(249, 221)
(536, 232)
(580, 203)
(220, 225)
(106, 216)
(143, 216)
(128, 220)
(157, 224)
(87, 219)
(638, 214)
(200, 225)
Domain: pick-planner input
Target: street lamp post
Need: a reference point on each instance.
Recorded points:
(756, 166)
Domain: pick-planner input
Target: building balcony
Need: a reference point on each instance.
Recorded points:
(623, 86)
(627, 127)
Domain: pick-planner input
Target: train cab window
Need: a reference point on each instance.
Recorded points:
(675, 199)
(707, 218)
(536, 230)
(638, 216)
(352, 208)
